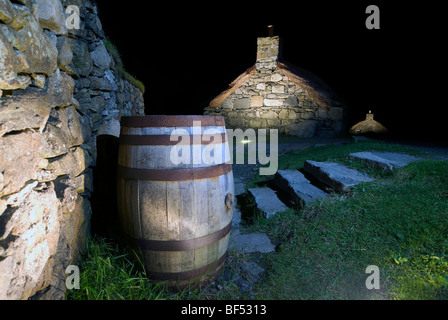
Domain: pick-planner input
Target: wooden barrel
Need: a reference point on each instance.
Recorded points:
(175, 194)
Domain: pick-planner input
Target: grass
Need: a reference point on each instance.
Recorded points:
(120, 66)
(294, 160)
(399, 223)
(109, 271)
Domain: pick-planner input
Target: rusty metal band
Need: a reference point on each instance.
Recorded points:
(184, 245)
(186, 275)
(174, 174)
(165, 140)
(171, 121)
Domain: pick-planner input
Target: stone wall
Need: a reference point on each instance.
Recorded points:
(269, 98)
(58, 92)
(272, 100)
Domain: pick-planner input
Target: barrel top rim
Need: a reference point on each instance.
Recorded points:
(171, 120)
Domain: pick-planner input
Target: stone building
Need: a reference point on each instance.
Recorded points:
(274, 94)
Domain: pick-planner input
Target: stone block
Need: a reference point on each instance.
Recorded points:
(384, 160)
(335, 175)
(72, 122)
(18, 167)
(303, 129)
(273, 102)
(292, 101)
(32, 226)
(101, 57)
(251, 242)
(276, 77)
(278, 89)
(274, 123)
(292, 115)
(51, 16)
(6, 11)
(82, 61)
(297, 186)
(255, 123)
(307, 115)
(65, 54)
(267, 201)
(110, 127)
(10, 65)
(256, 101)
(283, 114)
(261, 86)
(73, 163)
(31, 107)
(227, 104)
(241, 103)
(270, 115)
(40, 53)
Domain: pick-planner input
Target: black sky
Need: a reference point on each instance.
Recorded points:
(186, 53)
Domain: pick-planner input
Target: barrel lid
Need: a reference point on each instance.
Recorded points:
(171, 120)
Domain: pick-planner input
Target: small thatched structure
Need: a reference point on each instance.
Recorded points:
(368, 126)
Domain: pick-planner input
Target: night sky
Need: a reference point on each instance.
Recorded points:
(187, 52)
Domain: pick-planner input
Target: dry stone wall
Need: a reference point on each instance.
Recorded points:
(58, 92)
(272, 100)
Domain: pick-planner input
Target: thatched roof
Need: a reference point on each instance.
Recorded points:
(232, 87)
(367, 126)
(316, 88)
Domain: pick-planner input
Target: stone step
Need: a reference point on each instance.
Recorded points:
(335, 175)
(384, 160)
(251, 242)
(297, 186)
(267, 201)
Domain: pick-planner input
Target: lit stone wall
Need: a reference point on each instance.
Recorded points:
(270, 99)
(58, 92)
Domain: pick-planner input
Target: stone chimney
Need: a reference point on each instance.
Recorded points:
(268, 51)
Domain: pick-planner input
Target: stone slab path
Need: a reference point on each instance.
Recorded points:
(337, 176)
(299, 189)
(384, 160)
(267, 201)
(297, 186)
(251, 242)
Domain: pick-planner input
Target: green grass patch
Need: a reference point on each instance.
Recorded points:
(111, 273)
(120, 66)
(295, 159)
(398, 223)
